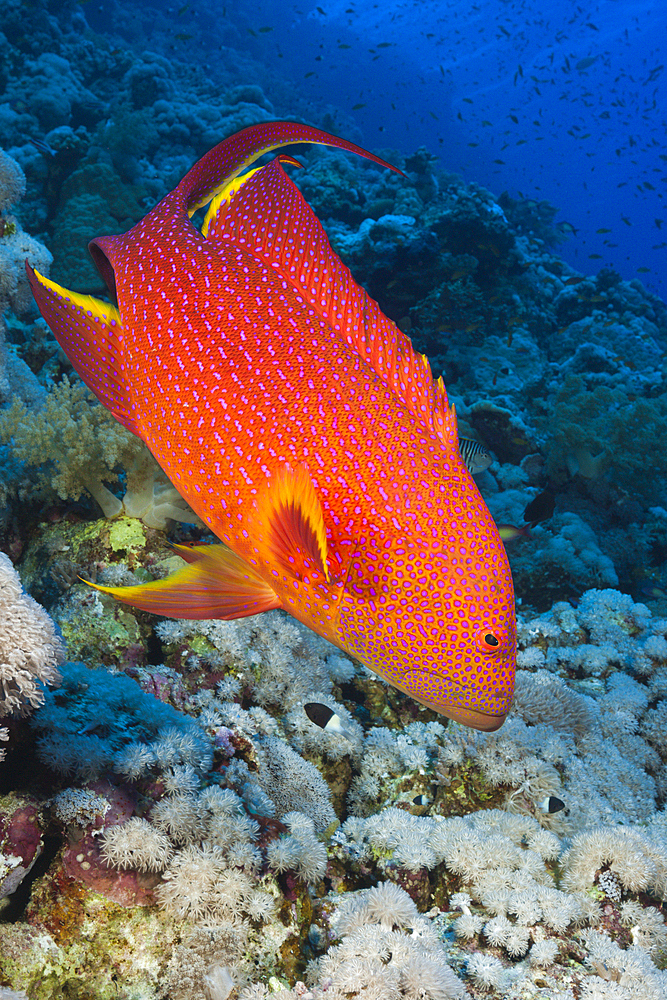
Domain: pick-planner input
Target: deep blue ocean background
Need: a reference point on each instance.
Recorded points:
(560, 101)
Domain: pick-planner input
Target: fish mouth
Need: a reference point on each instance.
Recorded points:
(417, 685)
(471, 717)
(475, 719)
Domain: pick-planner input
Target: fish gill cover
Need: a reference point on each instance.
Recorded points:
(223, 843)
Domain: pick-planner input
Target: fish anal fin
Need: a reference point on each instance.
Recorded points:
(216, 583)
(91, 334)
(291, 530)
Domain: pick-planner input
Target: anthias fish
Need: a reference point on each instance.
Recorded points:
(301, 426)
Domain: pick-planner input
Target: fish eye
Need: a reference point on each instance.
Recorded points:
(488, 640)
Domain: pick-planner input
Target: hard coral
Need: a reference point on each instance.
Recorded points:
(15, 247)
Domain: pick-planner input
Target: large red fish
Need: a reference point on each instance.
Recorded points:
(301, 426)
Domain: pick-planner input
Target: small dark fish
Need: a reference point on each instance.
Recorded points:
(540, 508)
(651, 590)
(43, 147)
(585, 63)
(574, 280)
(552, 804)
(421, 800)
(325, 717)
(475, 456)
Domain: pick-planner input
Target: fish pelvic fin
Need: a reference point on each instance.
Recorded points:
(91, 334)
(265, 213)
(216, 583)
(226, 160)
(291, 533)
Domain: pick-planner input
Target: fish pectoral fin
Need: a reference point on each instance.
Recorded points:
(290, 525)
(216, 583)
(90, 332)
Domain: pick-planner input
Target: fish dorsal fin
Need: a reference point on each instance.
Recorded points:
(216, 583)
(290, 526)
(268, 216)
(91, 334)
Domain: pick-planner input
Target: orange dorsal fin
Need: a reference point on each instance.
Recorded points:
(216, 583)
(266, 214)
(91, 334)
(291, 534)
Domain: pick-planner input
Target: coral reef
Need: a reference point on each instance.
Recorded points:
(172, 824)
(465, 861)
(16, 247)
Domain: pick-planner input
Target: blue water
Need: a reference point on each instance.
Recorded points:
(504, 93)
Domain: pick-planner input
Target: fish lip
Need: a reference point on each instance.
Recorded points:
(475, 719)
(456, 710)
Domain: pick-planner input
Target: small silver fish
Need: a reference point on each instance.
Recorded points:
(474, 455)
(43, 146)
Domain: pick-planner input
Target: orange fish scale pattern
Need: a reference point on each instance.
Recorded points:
(301, 426)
